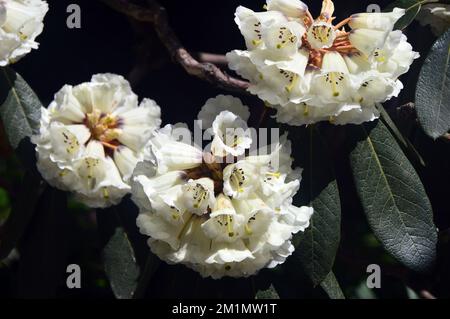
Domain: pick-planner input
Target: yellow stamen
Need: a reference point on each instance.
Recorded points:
(110, 135)
(290, 87)
(248, 230)
(333, 85)
(185, 226)
(105, 193)
(306, 110)
(256, 42)
(229, 226)
(274, 174)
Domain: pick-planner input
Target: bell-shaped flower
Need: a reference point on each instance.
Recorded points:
(220, 219)
(92, 136)
(313, 70)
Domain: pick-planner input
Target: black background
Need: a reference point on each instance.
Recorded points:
(110, 42)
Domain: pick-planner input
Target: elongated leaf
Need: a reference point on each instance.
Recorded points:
(318, 245)
(22, 212)
(433, 89)
(331, 286)
(118, 255)
(20, 108)
(404, 142)
(412, 8)
(393, 197)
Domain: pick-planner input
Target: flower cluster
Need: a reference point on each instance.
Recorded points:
(311, 70)
(20, 24)
(91, 137)
(218, 217)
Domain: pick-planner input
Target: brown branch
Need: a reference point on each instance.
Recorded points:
(156, 15)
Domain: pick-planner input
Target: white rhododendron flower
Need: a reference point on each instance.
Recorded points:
(91, 137)
(312, 70)
(21, 21)
(220, 218)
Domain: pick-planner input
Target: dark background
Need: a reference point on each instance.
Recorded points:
(109, 42)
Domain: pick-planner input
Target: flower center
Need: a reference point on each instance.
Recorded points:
(198, 193)
(285, 37)
(237, 178)
(321, 35)
(209, 169)
(103, 128)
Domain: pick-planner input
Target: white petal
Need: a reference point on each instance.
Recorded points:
(229, 253)
(251, 24)
(383, 21)
(110, 91)
(321, 35)
(357, 63)
(231, 135)
(291, 8)
(138, 123)
(356, 115)
(377, 89)
(284, 39)
(66, 107)
(126, 161)
(334, 62)
(239, 61)
(172, 155)
(214, 106)
(239, 179)
(67, 141)
(198, 196)
(367, 40)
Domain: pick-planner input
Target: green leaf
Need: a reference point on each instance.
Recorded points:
(20, 108)
(22, 212)
(393, 197)
(318, 245)
(404, 142)
(331, 286)
(433, 89)
(269, 293)
(118, 255)
(412, 8)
